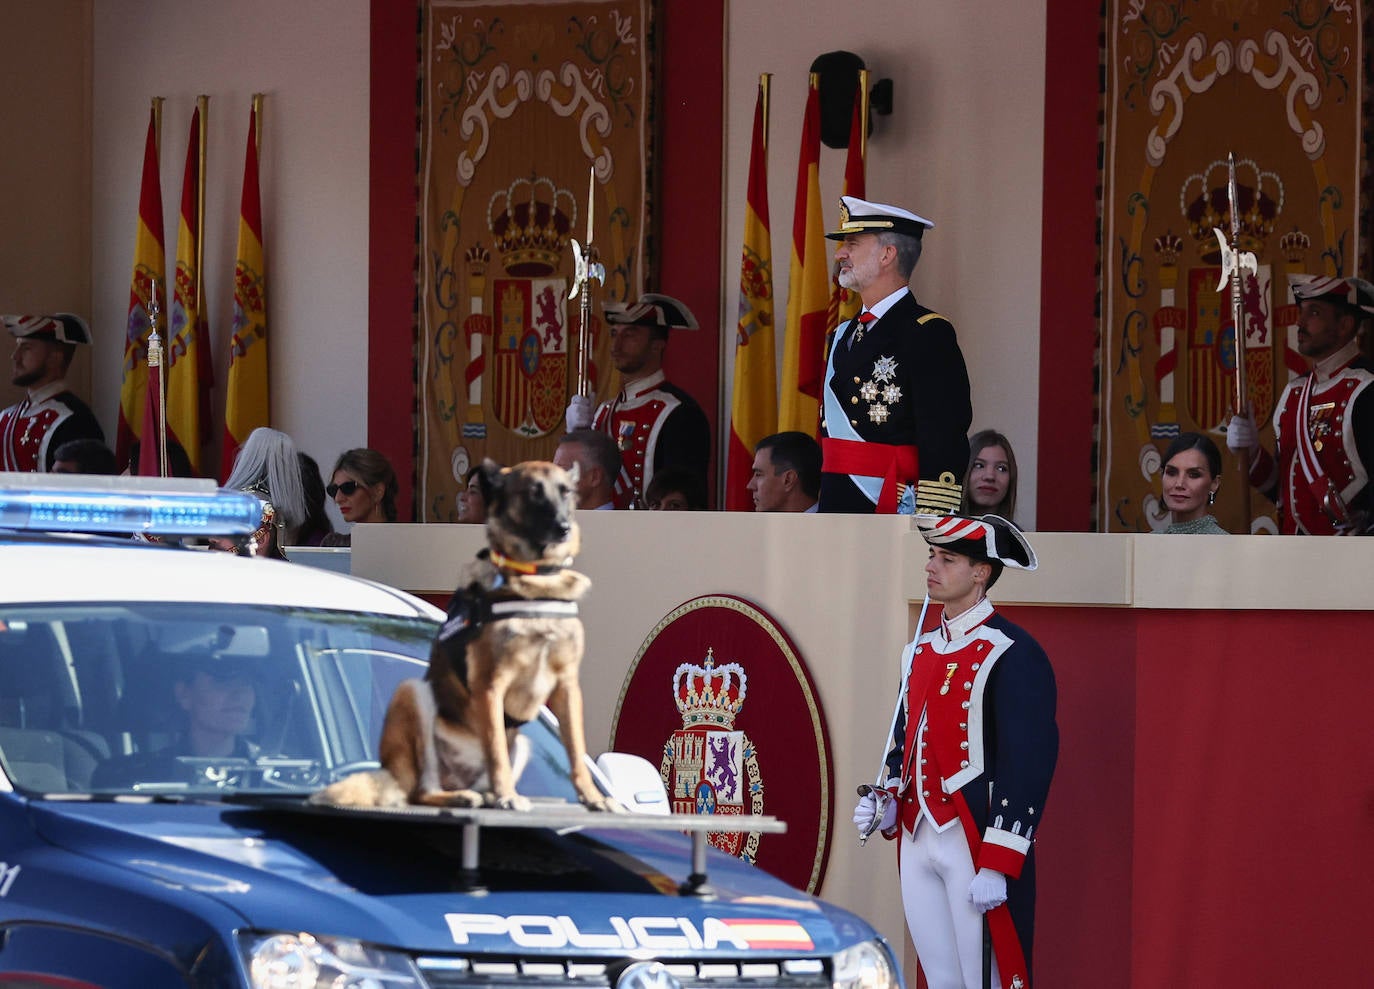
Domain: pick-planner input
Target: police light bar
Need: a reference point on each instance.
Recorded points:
(153, 506)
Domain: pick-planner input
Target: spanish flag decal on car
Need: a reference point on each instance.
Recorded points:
(762, 934)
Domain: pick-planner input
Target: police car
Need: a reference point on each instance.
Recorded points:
(165, 712)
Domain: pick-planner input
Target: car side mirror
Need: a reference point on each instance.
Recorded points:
(635, 782)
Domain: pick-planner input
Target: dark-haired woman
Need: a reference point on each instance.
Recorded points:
(1192, 474)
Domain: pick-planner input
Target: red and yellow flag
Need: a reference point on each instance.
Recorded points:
(754, 406)
(246, 405)
(149, 277)
(188, 369)
(808, 292)
(845, 304)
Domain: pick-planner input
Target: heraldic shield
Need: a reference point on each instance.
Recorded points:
(529, 373)
(1212, 347)
(683, 707)
(708, 767)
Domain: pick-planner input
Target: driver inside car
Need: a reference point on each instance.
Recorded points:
(216, 696)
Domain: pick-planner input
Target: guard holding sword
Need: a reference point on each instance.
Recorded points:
(973, 747)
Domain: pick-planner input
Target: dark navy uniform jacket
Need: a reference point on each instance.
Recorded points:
(903, 383)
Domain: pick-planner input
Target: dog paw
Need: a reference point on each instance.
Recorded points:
(512, 802)
(608, 805)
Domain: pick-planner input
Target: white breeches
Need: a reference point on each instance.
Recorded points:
(936, 869)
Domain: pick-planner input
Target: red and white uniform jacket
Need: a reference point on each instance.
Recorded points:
(31, 430)
(978, 746)
(1324, 422)
(655, 424)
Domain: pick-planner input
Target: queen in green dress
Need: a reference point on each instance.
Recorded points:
(1192, 474)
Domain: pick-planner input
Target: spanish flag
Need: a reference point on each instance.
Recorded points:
(808, 291)
(754, 407)
(149, 280)
(188, 370)
(845, 304)
(246, 405)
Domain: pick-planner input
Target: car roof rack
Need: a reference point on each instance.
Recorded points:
(562, 817)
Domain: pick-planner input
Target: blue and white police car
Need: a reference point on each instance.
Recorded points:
(164, 715)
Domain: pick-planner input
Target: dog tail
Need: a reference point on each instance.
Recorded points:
(377, 788)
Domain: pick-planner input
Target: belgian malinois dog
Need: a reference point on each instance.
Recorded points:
(512, 643)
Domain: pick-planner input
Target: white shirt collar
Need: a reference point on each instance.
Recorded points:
(45, 392)
(1333, 364)
(887, 302)
(633, 389)
(961, 625)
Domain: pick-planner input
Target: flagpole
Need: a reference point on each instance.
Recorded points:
(765, 85)
(863, 116)
(157, 126)
(203, 105)
(257, 125)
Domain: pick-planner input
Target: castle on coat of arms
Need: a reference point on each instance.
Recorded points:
(710, 767)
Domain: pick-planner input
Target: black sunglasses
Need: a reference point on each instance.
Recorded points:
(349, 488)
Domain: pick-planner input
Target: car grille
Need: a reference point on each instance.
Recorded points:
(462, 973)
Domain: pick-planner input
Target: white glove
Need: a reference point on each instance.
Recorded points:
(579, 414)
(1241, 434)
(988, 890)
(867, 809)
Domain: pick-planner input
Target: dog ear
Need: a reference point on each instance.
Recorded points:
(491, 479)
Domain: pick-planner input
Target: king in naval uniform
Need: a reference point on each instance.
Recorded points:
(33, 428)
(974, 745)
(655, 423)
(1324, 420)
(895, 406)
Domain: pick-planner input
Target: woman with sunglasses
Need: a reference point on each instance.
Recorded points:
(363, 485)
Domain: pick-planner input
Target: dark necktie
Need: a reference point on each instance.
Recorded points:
(865, 318)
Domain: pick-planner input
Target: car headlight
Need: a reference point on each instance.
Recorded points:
(303, 961)
(866, 965)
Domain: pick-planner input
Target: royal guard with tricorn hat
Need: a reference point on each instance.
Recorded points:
(33, 428)
(971, 752)
(655, 423)
(1324, 420)
(895, 406)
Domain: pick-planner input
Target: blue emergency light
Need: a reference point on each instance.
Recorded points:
(152, 506)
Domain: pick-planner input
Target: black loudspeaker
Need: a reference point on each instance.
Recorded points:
(838, 81)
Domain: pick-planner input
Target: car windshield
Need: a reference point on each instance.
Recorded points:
(110, 699)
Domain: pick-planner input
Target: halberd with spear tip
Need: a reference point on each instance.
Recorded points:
(1235, 267)
(585, 270)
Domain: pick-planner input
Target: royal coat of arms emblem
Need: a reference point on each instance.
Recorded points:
(708, 766)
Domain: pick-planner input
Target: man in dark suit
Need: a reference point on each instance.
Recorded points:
(895, 407)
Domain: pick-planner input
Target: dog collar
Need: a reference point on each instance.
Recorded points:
(502, 562)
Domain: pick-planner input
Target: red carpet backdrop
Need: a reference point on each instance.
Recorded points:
(720, 700)
(523, 106)
(1277, 84)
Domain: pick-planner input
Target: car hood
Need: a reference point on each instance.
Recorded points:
(399, 883)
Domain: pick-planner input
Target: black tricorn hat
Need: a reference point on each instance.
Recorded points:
(986, 538)
(63, 327)
(652, 309)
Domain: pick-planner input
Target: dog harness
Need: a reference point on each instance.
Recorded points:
(474, 606)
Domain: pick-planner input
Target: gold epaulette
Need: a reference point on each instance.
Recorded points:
(939, 497)
(928, 317)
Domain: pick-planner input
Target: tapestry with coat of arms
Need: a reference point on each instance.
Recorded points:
(1276, 83)
(528, 111)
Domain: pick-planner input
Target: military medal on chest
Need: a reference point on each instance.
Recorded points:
(880, 391)
(1321, 423)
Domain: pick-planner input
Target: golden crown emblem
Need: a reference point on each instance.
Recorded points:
(1168, 246)
(530, 222)
(709, 694)
(1211, 208)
